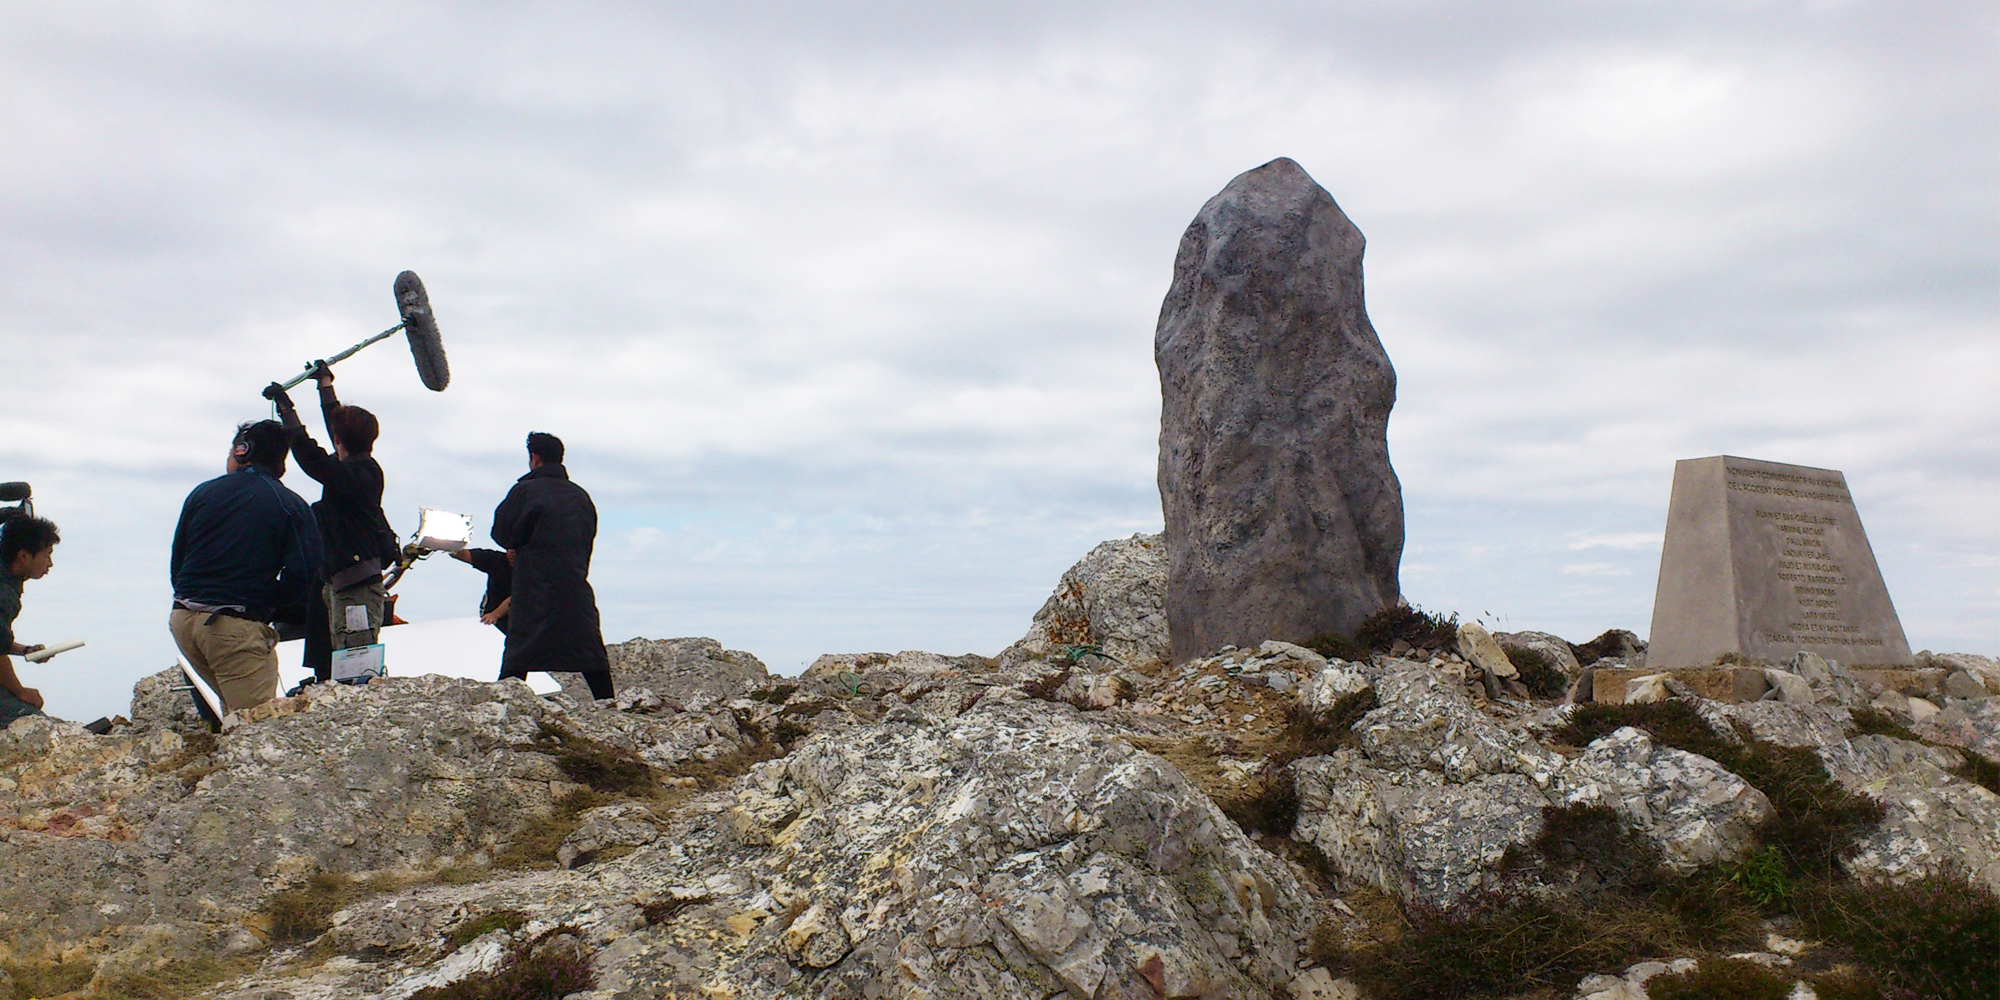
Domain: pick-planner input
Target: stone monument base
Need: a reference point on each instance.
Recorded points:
(1732, 683)
(1729, 684)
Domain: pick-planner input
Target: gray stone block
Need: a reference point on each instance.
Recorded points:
(1764, 560)
(1283, 517)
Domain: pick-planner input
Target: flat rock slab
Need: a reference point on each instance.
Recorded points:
(1765, 560)
(1920, 682)
(1725, 684)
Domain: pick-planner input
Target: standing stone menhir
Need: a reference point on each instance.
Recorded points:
(1766, 560)
(1284, 519)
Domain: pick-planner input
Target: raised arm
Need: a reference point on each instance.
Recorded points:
(328, 402)
(323, 467)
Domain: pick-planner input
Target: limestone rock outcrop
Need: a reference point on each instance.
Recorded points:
(161, 701)
(677, 669)
(904, 824)
(1692, 808)
(1284, 519)
(1113, 598)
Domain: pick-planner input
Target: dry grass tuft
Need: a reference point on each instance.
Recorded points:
(173, 982)
(1044, 688)
(617, 775)
(305, 912)
(599, 766)
(1335, 646)
(660, 911)
(195, 760)
(1980, 770)
(1266, 802)
(1817, 823)
(47, 979)
(1976, 768)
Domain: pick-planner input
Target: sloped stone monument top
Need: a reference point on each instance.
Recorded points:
(1764, 560)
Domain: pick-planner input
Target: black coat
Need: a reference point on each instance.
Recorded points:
(550, 524)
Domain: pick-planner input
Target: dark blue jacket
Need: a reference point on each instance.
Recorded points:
(246, 540)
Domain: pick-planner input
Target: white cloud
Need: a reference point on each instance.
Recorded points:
(1627, 540)
(845, 310)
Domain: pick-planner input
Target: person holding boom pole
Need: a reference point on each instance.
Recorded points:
(347, 611)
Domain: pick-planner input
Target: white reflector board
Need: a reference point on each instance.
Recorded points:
(455, 647)
(442, 530)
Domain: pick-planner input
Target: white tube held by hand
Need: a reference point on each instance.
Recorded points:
(62, 647)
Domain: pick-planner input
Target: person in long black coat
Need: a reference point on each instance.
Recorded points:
(547, 524)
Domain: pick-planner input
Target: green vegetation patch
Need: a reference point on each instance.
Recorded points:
(1541, 677)
(1620, 906)
(1721, 979)
(1937, 936)
(1413, 625)
(484, 924)
(1817, 822)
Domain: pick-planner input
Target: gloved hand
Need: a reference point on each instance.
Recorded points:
(287, 413)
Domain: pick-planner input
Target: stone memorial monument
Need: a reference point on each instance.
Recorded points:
(1764, 560)
(1283, 517)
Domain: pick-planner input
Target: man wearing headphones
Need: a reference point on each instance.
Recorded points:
(246, 553)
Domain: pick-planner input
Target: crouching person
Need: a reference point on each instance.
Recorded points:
(246, 553)
(27, 552)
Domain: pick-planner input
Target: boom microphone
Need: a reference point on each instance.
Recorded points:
(419, 325)
(422, 330)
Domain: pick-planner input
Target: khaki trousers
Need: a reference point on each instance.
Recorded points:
(236, 656)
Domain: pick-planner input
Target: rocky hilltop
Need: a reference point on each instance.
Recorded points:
(1072, 819)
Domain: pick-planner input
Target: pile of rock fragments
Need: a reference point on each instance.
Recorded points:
(1060, 821)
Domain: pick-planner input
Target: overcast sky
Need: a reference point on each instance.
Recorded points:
(846, 310)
